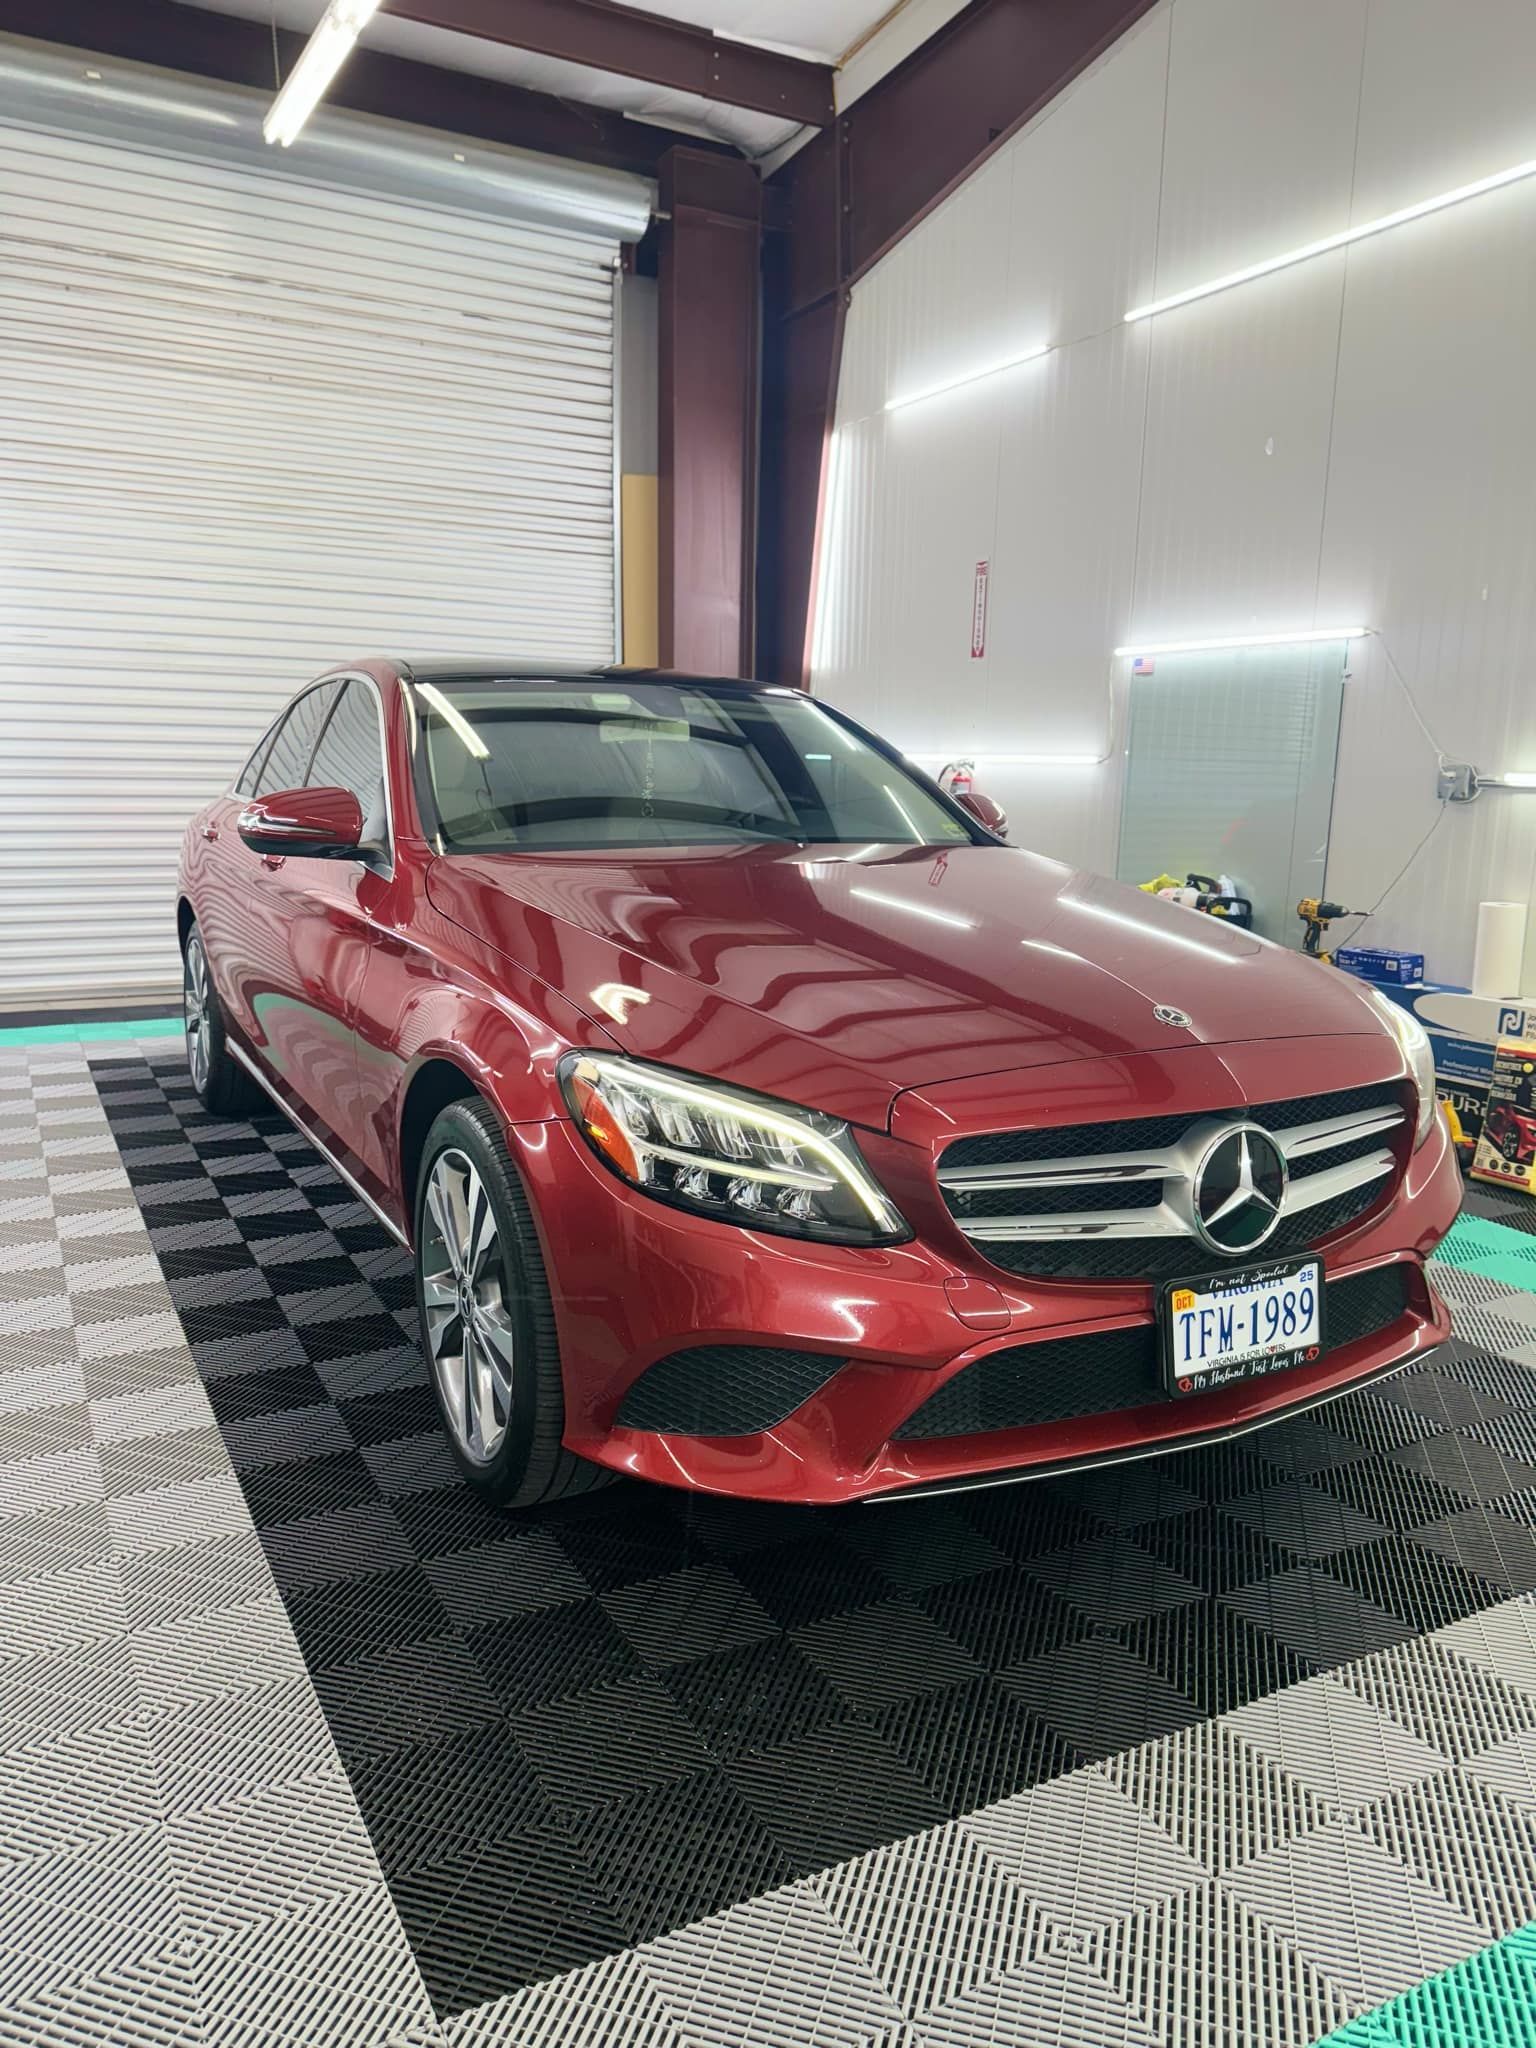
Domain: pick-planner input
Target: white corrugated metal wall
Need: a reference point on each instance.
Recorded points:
(250, 426)
(1349, 440)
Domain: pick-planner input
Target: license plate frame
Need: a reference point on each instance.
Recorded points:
(1180, 1383)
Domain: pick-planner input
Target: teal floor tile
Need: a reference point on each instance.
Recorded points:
(73, 1034)
(1489, 2001)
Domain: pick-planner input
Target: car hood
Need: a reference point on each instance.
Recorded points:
(838, 978)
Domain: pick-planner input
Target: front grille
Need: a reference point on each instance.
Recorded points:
(724, 1389)
(1100, 1201)
(1065, 1378)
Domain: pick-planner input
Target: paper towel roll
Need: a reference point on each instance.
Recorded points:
(1500, 956)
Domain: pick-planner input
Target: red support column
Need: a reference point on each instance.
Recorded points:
(846, 198)
(709, 268)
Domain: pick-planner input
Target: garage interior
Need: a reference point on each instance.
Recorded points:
(1125, 407)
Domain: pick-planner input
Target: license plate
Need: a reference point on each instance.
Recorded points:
(1236, 1326)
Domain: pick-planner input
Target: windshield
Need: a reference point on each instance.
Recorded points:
(519, 767)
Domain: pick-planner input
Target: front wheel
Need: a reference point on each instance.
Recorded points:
(487, 1324)
(223, 1086)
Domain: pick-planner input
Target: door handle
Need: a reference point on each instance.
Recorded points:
(210, 831)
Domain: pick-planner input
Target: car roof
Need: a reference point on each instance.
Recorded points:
(464, 669)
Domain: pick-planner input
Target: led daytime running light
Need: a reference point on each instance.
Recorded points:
(814, 1162)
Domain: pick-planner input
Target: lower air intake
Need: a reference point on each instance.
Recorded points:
(724, 1390)
(1108, 1370)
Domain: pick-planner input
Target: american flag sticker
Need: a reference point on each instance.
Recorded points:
(1143, 665)
(979, 611)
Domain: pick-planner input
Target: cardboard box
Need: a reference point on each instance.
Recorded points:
(1463, 1031)
(1506, 1150)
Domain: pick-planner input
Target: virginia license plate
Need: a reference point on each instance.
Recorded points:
(1238, 1325)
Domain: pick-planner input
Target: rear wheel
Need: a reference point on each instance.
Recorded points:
(487, 1324)
(223, 1087)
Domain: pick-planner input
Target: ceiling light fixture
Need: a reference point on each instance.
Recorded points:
(1339, 241)
(1458, 782)
(1312, 635)
(905, 398)
(319, 61)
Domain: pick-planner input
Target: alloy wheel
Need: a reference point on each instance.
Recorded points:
(468, 1320)
(195, 1002)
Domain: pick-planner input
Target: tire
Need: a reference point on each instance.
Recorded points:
(223, 1086)
(501, 1398)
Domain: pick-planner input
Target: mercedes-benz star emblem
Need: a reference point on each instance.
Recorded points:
(1239, 1189)
(1165, 1013)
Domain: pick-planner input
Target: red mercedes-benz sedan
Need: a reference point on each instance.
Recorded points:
(759, 1122)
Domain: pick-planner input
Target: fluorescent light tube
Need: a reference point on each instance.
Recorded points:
(1030, 355)
(319, 61)
(1520, 778)
(1013, 760)
(1244, 640)
(1339, 241)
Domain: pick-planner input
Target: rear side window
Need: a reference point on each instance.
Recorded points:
(351, 756)
(287, 762)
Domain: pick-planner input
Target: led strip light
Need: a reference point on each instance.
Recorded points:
(905, 398)
(1307, 638)
(1342, 240)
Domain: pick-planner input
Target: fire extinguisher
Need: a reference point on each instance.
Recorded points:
(959, 778)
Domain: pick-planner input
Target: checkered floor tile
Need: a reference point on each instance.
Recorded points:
(304, 1743)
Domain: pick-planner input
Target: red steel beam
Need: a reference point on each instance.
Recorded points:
(606, 36)
(850, 195)
(239, 52)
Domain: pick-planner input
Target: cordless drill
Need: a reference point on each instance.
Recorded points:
(1317, 915)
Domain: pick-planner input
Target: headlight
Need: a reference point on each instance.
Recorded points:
(1414, 1040)
(721, 1152)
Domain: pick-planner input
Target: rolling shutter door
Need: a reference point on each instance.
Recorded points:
(249, 427)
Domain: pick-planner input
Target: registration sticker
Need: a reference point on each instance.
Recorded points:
(1236, 1326)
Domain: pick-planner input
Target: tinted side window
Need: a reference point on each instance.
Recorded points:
(246, 786)
(351, 755)
(287, 765)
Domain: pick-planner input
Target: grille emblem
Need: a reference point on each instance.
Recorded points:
(1239, 1189)
(1165, 1013)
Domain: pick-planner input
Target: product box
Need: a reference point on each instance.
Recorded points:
(1506, 1150)
(1372, 965)
(1463, 1031)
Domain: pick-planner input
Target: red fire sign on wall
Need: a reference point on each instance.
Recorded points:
(979, 611)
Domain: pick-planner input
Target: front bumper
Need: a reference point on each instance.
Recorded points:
(893, 1325)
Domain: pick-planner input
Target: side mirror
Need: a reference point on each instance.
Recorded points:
(320, 824)
(985, 810)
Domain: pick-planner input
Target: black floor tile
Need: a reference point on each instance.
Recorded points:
(844, 1789)
(307, 1486)
(676, 1853)
(513, 1906)
(531, 1659)
(1216, 1657)
(1098, 1696)
(754, 1697)
(352, 1617)
(975, 1743)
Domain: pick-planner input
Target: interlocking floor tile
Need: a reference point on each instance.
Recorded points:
(1207, 1971)
(1084, 1851)
(1321, 1893)
(785, 1974)
(1224, 1800)
(572, 1732)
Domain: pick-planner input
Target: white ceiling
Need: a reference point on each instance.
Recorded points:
(824, 29)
